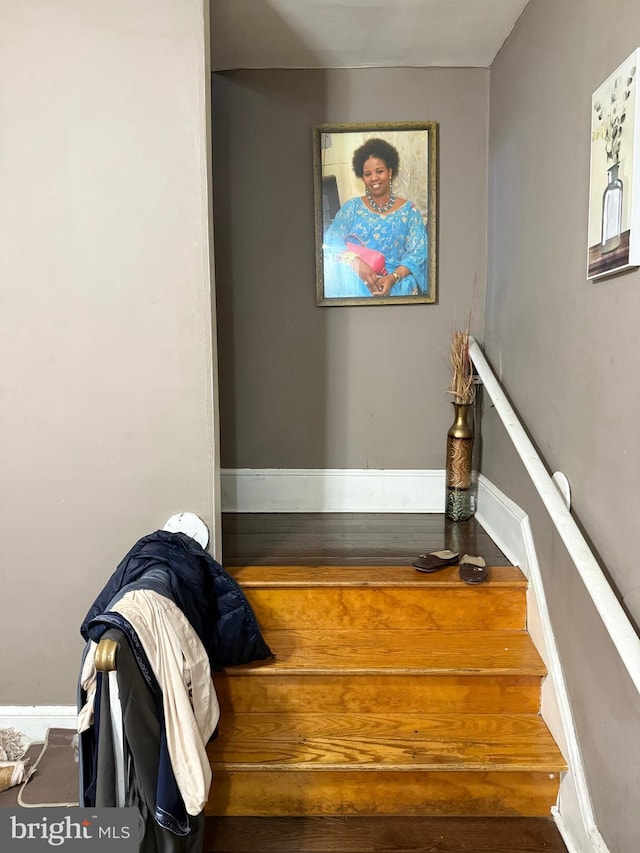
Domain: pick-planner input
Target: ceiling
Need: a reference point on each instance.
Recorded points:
(359, 33)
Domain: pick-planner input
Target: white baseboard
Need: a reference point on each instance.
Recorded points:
(331, 490)
(502, 519)
(509, 527)
(35, 720)
(594, 844)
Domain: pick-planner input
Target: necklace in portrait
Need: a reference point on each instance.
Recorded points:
(381, 208)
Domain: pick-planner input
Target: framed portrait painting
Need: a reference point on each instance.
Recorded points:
(614, 179)
(375, 197)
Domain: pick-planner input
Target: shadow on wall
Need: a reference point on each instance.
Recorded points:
(229, 31)
(271, 334)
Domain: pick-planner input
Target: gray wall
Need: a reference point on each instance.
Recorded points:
(567, 349)
(303, 386)
(105, 327)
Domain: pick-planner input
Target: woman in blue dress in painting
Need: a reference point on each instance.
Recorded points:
(381, 221)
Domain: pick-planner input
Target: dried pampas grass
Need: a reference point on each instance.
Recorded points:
(462, 386)
(11, 744)
(12, 771)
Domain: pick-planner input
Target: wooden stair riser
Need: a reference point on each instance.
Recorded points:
(439, 793)
(359, 694)
(446, 608)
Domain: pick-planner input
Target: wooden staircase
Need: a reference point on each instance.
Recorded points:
(392, 692)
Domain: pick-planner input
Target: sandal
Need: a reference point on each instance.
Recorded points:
(435, 561)
(473, 569)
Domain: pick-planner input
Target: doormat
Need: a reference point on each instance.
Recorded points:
(54, 781)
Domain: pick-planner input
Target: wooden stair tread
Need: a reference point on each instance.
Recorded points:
(410, 651)
(367, 576)
(385, 741)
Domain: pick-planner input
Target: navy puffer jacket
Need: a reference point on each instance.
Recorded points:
(209, 597)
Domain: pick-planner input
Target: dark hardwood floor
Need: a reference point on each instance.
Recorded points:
(365, 539)
(346, 538)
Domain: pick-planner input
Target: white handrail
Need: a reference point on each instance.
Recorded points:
(616, 621)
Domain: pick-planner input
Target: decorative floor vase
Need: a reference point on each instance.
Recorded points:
(458, 505)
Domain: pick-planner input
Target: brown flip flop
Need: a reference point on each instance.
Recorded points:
(473, 569)
(435, 561)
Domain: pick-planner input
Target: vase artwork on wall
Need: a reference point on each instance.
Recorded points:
(614, 191)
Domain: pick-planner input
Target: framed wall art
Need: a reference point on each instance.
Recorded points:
(375, 213)
(614, 179)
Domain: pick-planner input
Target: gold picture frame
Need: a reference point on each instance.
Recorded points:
(349, 223)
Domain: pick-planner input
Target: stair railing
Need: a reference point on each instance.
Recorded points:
(616, 621)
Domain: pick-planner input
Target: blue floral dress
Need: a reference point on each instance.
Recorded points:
(399, 235)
